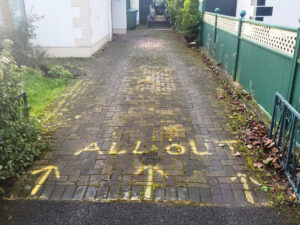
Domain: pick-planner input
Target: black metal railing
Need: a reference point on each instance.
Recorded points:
(285, 132)
(22, 101)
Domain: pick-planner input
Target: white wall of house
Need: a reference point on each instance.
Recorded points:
(135, 4)
(244, 5)
(55, 28)
(76, 28)
(119, 17)
(285, 13)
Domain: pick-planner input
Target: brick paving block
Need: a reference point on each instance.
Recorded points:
(148, 192)
(136, 193)
(227, 196)
(114, 189)
(261, 197)
(182, 193)
(194, 194)
(83, 180)
(206, 195)
(103, 190)
(217, 196)
(125, 192)
(215, 173)
(171, 193)
(68, 193)
(159, 194)
(58, 191)
(91, 193)
(240, 197)
(47, 191)
(79, 193)
(74, 176)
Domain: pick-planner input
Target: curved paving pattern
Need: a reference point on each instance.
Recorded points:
(150, 128)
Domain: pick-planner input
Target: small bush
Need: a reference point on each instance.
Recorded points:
(190, 19)
(20, 135)
(175, 12)
(59, 72)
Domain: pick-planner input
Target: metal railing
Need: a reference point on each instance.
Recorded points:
(22, 101)
(285, 132)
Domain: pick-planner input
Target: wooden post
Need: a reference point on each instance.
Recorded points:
(242, 14)
(294, 68)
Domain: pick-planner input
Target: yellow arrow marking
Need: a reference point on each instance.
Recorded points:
(248, 194)
(42, 179)
(151, 170)
(91, 148)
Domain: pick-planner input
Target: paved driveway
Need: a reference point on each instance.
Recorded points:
(145, 125)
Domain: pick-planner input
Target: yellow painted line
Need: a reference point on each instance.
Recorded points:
(91, 148)
(113, 150)
(42, 180)
(196, 151)
(177, 146)
(248, 194)
(136, 149)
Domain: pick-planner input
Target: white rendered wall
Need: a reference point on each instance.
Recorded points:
(135, 4)
(285, 12)
(244, 5)
(55, 29)
(119, 16)
(100, 19)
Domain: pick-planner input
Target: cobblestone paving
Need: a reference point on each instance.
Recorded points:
(145, 126)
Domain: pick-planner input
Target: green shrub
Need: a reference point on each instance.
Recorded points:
(59, 72)
(175, 12)
(190, 19)
(20, 135)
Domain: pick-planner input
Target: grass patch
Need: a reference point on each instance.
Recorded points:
(41, 91)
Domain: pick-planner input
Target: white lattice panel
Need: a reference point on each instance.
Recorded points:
(282, 40)
(210, 19)
(229, 25)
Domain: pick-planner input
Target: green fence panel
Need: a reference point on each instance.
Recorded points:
(262, 72)
(208, 37)
(226, 50)
(296, 93)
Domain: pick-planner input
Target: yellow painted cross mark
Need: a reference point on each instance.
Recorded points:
(43, 178)
(91, 148)
(151, 169)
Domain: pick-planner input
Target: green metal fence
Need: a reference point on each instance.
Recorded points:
(263, 58)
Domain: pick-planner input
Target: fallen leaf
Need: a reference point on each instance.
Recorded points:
(257, 165)
(275, 151)
(249, 146)
(237, 154)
